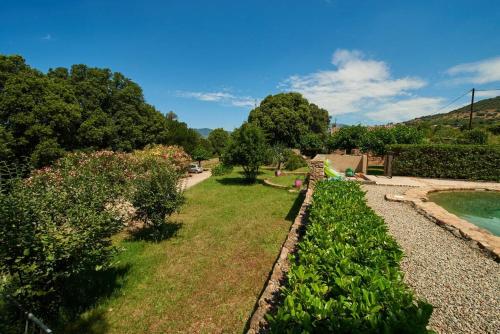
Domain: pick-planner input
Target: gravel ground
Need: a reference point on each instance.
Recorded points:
(460, 282)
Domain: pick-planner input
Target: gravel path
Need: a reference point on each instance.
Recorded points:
(194, 179)
(460, 282)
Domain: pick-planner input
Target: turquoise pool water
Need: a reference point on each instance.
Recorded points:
(481, 208)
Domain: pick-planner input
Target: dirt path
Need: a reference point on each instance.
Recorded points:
(194, 179)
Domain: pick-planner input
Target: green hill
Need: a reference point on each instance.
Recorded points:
(486, 112)
(204, 132)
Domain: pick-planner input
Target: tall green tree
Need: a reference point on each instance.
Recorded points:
(377, 139)
(44, 115)
(312, 144)
(41, 114)
(247, 148)
(286, 117)
(347, 138)
(219, 138)
(200, 154)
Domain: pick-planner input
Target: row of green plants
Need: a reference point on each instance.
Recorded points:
(345, 276)
(56, 225)
(475, 162)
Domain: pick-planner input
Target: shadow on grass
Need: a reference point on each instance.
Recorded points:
(83, 293)
(95, 323)
(243, 173)
(155, 233)
(238, 181)
(294, 210)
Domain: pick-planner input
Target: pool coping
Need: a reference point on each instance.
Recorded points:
(461, 228)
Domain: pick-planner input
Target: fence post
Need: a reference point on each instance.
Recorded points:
(388, 164)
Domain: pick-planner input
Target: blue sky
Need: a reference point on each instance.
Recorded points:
(209, 61)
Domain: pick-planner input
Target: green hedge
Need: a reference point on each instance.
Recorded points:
(475, 162)
(345, 277)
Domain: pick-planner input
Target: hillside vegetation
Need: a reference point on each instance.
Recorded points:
(486, 112)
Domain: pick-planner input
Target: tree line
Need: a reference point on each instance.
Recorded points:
(288, 120)
(44, 115)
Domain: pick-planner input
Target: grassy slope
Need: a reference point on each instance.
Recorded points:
(207, 277)
(486, 112)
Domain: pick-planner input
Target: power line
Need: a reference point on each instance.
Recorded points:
(455, 100)
(486, 90)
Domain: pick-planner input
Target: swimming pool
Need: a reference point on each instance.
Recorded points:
(481, 208)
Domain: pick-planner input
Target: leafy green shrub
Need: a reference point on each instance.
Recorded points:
(279, 154)
(200, 153)
(51, 232)
(376, 140)
(312, 144)
(345, 277)
(347, 138)
(56, 225)
(158, 194)
(474, 137)
(404, 134)
(247, 148)
(494, 129)
(294, 162)
(475, 162)
(221, 169)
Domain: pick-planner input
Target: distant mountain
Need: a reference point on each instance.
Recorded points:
(486, 112)
(204, 132)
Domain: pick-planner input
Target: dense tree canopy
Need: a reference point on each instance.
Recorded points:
(44, 115)
(286, 117)
(219, 139)
(347, 138)
(247, 148)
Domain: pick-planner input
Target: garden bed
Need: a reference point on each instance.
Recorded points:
(346, 275)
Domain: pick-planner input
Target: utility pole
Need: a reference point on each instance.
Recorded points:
(471, 108)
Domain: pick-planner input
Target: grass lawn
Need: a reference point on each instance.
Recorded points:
(286, 180)
(207, 277)
(302, 169)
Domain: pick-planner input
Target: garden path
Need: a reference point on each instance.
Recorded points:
(460, 282)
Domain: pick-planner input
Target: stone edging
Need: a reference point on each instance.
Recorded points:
(267, 182)
(268, 299)
(291, 189)
(294, 173)
(461, 228)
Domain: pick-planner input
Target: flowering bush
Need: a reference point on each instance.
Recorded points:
(174, 154)
(57, 224)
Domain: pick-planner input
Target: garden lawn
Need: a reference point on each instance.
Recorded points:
(205, 278)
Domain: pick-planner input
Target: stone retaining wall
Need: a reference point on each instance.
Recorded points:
(269, 298)
(317, 172)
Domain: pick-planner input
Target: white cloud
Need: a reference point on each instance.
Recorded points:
(47, 37)
(357, 84)
(222, 97)
(480, 72)
(406, 109)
